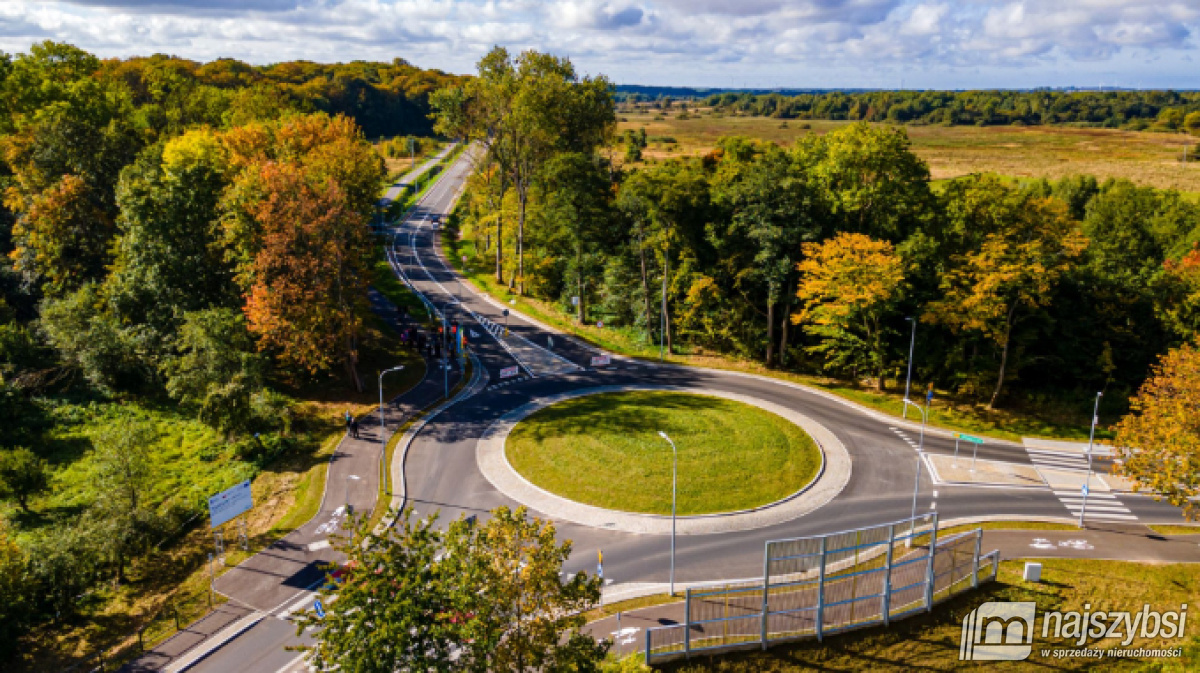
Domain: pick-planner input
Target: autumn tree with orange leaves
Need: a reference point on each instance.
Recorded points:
(1159, 441)
(310, 273)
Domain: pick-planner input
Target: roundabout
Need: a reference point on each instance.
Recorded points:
(783, 467)
(605, 450)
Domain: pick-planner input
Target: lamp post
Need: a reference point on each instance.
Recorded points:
(383, 428)
(1087, 484)
(911, 343)
(674, 473)
(920, 455)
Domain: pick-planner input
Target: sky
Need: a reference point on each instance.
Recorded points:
(915, 44)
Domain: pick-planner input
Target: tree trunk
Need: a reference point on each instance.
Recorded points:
(500, 236)
(352, 363)
(783, 328)
(522, 197)
(645, 280)
(1008, 321)
(665, 306)
(770, 331)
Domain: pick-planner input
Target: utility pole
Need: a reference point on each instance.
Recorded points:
(1087, 484)
(912, 342)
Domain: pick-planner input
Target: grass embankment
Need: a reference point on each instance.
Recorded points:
(191, 461)
(398, 166)
(951, 151)
(930, 642)
(604, 450)
(946, 411)
(1174, 529)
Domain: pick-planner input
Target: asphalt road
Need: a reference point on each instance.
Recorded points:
(442, 475)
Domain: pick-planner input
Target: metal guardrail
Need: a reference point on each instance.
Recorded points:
(820, 585)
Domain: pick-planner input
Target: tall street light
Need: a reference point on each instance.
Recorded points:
(674, 473)
(911, 343)
(383, 427)
(920, 455)
(1087, 485)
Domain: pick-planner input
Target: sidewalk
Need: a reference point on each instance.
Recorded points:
(187, 638)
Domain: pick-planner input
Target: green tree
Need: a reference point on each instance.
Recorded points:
(22, 475)
(91, 340)
(121, 521)
(873, 182)
(770, 201)
(394, 606)
(16, 594)
(521, 615)
(576, 206)
(1017, 248)
(169, 256)
(216, 370)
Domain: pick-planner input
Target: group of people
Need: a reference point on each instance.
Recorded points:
(414, 339)
(351, 424)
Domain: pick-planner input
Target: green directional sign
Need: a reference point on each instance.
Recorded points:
(968, 438)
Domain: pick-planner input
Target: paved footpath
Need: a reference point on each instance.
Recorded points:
(1115, 542)
(279, 580)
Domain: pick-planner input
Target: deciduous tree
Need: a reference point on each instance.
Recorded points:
(1159, 441)
(848, 284)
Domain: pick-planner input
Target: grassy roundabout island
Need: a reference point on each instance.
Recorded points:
(604, 450)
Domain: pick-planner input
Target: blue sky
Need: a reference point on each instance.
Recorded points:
(717, 43)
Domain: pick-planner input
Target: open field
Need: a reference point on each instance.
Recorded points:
(604, 450)
(931, 642)
(951, 151)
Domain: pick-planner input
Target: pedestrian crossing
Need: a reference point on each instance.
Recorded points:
(1100, 506)
(1058, 460)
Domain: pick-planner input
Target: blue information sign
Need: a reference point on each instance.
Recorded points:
(229, 503)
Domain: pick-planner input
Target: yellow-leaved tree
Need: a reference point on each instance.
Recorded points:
(1160, 438)
(1028, 245)
(848, 284)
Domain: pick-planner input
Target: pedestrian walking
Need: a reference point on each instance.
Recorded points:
(354, 427)
(348, 418)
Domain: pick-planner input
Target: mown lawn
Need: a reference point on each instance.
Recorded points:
(930, 642)
(605, 450)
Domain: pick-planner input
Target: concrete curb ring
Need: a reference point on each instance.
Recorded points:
(832, 476)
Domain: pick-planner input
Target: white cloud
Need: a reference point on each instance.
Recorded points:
(797, 43)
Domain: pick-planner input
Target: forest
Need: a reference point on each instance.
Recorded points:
(826, 257)
(187, 254)
(1167, 111)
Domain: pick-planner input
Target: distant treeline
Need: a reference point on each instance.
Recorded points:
(1138, 110)
(171, 94)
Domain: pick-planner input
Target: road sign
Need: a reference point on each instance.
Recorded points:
(509, 372)
(505, 313)
(229, 503)
(1085, 489)
(929, 396)
(319, 609)
(968, 438)
(601, 360)
(574, 301)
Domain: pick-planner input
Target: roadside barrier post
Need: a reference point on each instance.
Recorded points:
(975, 559)
(647, 647)
(932, 569)
(821, 593)
(687, 623)
(887, 576)
(766, 591)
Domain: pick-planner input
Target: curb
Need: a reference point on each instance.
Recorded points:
(215, 642)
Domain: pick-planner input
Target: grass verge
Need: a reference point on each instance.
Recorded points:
(1173, 529)
(604, 450)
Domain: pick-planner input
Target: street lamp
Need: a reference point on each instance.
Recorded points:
(911, 343)
(1087, 484)
(383, 427)
(920, 454)
(674, 473)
